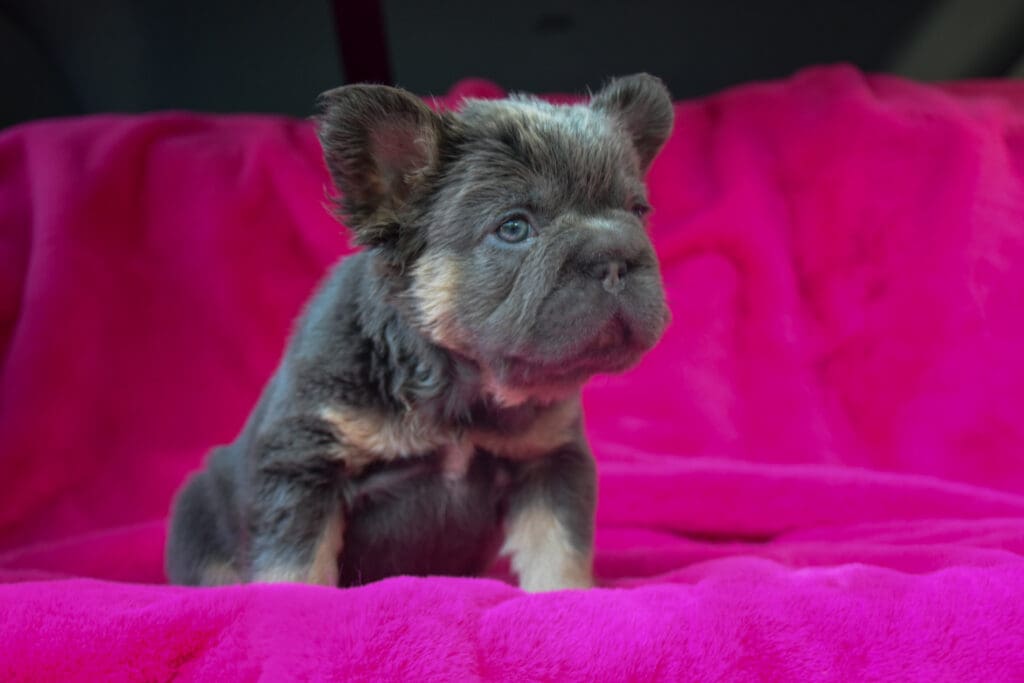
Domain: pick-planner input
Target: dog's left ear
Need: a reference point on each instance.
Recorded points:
(379, 143)
(642, 105)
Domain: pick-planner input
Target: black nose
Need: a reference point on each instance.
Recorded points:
(611, 273)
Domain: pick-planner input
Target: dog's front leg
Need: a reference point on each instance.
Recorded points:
(294, 515)
(549, 530)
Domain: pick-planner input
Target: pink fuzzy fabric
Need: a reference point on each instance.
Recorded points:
(818, 474)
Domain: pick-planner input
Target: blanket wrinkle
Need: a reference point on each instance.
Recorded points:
(816, 475)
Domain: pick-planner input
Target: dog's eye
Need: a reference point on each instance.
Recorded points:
(640, 210)
(514, 230)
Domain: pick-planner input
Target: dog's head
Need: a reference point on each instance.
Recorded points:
(512, 231)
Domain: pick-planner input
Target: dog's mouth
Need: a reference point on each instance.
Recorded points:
(613, 337)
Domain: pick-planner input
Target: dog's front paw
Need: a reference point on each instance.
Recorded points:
(317, 575)
(543, 554)
(546, 583)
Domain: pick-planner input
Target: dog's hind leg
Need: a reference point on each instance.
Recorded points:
(200, 550)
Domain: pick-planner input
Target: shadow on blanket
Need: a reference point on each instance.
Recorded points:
(818, 475)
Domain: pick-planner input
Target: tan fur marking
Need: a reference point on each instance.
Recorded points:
(321, 571)
(436, 282)
(324, 569)
(377, 437)
(457, 457)
(541, 554)
(511, 397)
(220, 574)
(279, 575)
(555, 427)
(505, 396)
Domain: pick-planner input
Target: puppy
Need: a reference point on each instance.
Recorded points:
(426, 413)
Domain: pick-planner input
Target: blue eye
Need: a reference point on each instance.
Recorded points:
(640, 210)
(514, 230)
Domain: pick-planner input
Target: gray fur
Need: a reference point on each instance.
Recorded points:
(446, 336)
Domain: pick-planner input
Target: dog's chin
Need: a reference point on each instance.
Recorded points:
(516, 379)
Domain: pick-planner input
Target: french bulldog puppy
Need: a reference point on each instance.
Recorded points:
(426, 413)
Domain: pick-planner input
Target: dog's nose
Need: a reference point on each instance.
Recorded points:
(611, 273)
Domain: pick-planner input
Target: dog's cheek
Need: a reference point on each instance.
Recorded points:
(508, 289)
(435, 289)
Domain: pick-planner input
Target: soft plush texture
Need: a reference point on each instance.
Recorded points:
(817, 475)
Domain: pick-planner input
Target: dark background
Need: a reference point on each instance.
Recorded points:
(61, 57)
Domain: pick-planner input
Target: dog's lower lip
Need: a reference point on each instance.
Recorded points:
(615, 334)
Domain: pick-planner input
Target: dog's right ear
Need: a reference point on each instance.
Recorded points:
(379, 143)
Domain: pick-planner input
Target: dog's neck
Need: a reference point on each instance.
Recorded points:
(418, 375)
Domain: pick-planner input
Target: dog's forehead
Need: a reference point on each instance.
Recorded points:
(578, 154)
(576, 121)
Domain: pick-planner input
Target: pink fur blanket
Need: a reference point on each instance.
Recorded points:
(818, 474)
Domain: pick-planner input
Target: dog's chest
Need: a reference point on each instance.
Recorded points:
(366, 438)
(409, 516)
(456, 457)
